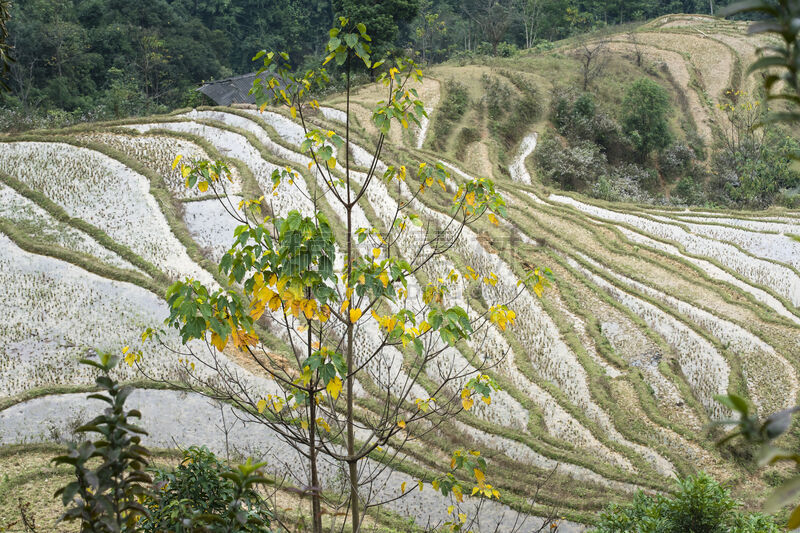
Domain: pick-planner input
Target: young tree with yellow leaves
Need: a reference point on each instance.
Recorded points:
(362, 337)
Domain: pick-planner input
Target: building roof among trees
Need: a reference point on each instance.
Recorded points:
(233, 90)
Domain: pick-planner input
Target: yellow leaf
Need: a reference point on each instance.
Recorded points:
(355, 314)
(384, 277)
(420, 485)
(203, 186)
(794, 518)
(487, 400)
(293, 111)
(261, 405)
(176, 161)
(467, 403)
(376, 252)
(344, 306)
(401, 423)
(304, 424)
(450, 509)
(538, 289)
(493, 219)
(479, 476)
(218, 342)
(257, 310)
(403, 487)
(334, 387)
(332, 162)
(263, 107)
(324, 424)
(471, 198)
(462, 517)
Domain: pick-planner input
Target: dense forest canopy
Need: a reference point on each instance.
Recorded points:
(116, 57)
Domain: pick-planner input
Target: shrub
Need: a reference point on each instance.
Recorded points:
(572, 168)
(507, 49)
(509, 113)
(676, 160)
(701, 505)
(454, 104)
(573, 114)
(754, 179)
(201, 489)
(689, 191)
(625, 184)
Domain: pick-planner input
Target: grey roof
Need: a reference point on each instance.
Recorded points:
(234, 90)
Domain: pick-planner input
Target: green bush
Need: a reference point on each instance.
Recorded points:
(455, 102)
(701, 505)
(200, 490)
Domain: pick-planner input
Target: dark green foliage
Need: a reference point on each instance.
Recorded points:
(755, 178)
(383, 18)
(573, 167)
(203, 490)
(701, 505)
(5, 47)
(110, 474)
(644, 119)
(573, 115)
(510, 114)
(676, 160)
(455, 102)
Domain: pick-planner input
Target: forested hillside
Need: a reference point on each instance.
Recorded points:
(84, 59)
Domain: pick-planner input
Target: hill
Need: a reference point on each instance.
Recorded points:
(609, 378)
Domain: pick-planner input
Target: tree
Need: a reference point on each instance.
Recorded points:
(492, 16)
(428, 28)
(5, 47)
(384, 18)
(530, 12)
(645, 110)
(593, 57)
(370, 323)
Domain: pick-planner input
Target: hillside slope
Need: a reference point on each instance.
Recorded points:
(611, 375)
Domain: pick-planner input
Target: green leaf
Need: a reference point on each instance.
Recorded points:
(734, 402)
(783, 495)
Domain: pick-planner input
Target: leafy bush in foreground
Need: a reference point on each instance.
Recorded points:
(201, 489)
(701, 505)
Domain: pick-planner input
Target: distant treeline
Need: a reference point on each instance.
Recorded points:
(122, 57)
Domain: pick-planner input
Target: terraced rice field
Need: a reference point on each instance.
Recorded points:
(610, 376)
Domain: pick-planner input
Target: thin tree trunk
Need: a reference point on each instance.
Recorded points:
(316, 489)
(351, 445)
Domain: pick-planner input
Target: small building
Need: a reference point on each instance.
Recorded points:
(234, 90)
